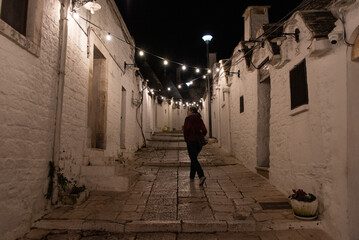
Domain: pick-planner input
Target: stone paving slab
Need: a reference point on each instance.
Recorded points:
(303, 234)
(164, 200)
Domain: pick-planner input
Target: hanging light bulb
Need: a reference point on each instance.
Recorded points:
(76, 15)
(169, 89)
(165, 62)
(179, 86)
(141, 53)
(209, 71)
(109, 37)
(184, 67)
(217, 69)
(197, 70)
(204, 76)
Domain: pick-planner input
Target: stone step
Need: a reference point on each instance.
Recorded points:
(159, 144)
(106, 178)
(166, 139)
(110, 183)
(168, 134)
(97, 171)
(176, 226)
(185, 164)
(162, 147)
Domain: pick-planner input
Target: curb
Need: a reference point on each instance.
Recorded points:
(177, 226)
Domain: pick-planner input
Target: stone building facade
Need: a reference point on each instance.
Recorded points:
(292, 108)
(66, 99)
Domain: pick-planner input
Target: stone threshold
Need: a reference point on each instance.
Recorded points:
(177, 226)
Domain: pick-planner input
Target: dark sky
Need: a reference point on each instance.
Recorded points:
(174, 29)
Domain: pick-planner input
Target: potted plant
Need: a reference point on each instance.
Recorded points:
(305, 205)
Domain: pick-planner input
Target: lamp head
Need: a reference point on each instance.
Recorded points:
(207, 38)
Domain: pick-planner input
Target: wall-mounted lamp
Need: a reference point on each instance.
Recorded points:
(90, 5)
(129, 65)
(250, 43)
(238, 73)
(280, 39)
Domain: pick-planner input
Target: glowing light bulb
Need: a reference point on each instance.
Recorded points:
(180, 86)
(197, 70)
(165, 62)
(217, 69)
(209, 71)
(204, 76)
(184, 67)
(141, 53)
(76, 15)
(109, 37)
(168, 89)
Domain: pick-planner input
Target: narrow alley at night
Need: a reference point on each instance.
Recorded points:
(164, 203)
(129, 119)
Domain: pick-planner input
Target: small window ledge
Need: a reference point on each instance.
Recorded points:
(300, 109)
(19, 39)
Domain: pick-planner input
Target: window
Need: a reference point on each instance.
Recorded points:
(21, 22)
(241, 104)
(298, 85)
(14, 13)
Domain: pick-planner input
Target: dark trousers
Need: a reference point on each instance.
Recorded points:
(193, 150)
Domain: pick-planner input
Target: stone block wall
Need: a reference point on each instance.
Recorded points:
(75, 141)
(244, 125)
(27, 105)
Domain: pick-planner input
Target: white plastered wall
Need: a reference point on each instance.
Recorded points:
(27, 119)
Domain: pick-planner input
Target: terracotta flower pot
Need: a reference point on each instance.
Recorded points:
(304, 209)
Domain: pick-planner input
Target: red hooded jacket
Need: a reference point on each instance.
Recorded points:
(193, 127)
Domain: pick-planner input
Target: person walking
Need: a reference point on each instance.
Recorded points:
(192, 129)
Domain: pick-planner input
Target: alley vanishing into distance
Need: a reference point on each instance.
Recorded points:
(162, 202)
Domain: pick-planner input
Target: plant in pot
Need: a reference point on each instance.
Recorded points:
(305, 205)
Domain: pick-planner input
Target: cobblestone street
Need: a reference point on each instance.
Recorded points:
(163, 203)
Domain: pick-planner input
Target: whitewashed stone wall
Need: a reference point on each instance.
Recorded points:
(308, 147)
(244, 125)
(352, 29)
(27, 117)
(148, 114)
(75, 144)
(28, 106)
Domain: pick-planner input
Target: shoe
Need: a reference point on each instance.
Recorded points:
(202, 180)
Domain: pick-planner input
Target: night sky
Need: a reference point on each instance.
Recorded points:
(174, 29)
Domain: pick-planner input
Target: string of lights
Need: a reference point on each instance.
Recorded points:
(142, 52)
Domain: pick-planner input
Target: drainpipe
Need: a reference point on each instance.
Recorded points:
(63, 32)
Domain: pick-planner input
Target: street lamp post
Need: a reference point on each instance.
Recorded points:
(207, 39)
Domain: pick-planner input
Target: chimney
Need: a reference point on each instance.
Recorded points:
(254, 18)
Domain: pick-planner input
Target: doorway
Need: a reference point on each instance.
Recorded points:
(123, 119)
(263, 123)
(97, 114)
